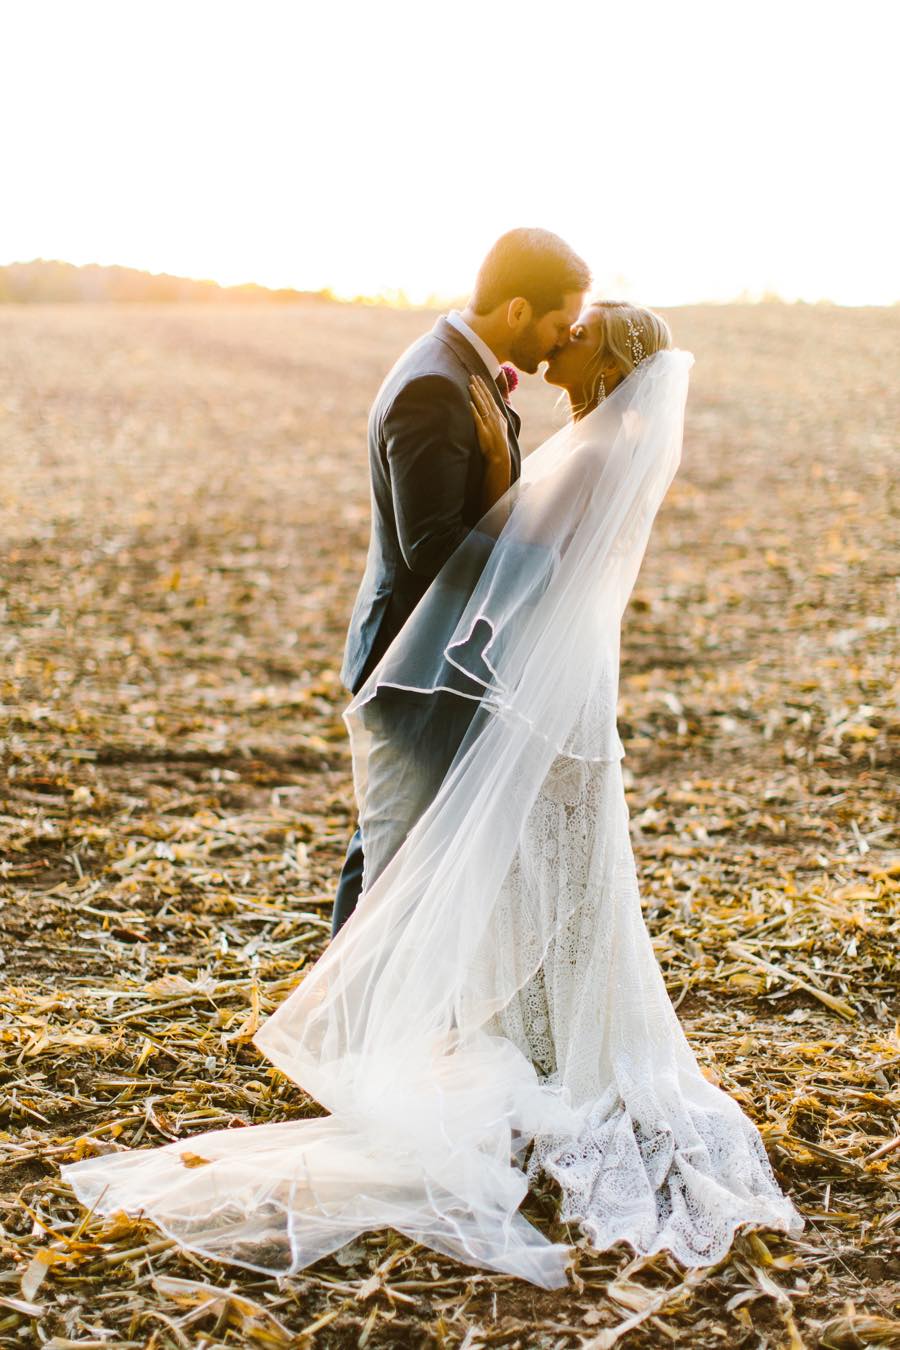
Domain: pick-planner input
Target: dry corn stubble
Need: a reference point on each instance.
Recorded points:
(184, 513)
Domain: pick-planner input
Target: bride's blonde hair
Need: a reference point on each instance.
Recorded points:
(631, 333)
(628, 335)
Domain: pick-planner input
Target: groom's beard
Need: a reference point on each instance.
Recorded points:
(526, 352)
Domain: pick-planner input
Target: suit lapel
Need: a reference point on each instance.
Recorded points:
(454, 339)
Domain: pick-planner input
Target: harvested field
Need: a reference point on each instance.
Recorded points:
(184, 514)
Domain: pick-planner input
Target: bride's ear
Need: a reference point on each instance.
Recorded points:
(613, 372)
(518, 312)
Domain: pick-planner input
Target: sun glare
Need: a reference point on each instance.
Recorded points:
(692, 151)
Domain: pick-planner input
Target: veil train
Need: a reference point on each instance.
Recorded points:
(494, 1006)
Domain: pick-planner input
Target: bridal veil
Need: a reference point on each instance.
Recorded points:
(494, 1006)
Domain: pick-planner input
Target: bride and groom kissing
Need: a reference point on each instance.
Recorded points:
(490, 1006)
(443, 448)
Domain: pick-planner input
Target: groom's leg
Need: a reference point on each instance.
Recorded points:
(399, 787)
(413, 739)
(349, 885)
(386, 828)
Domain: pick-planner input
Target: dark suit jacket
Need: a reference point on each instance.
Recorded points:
(426, 472)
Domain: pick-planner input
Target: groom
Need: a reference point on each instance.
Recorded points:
(425, 462)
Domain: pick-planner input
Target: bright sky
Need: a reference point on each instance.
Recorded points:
(689, 149)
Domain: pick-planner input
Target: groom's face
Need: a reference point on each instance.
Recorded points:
(541, 339)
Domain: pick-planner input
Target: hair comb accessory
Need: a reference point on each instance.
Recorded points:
(635, 342)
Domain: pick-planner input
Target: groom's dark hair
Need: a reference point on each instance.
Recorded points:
(535, 264)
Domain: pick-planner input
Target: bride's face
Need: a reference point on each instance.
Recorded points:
(567, 367)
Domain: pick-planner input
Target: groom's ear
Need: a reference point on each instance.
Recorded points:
(518, 313)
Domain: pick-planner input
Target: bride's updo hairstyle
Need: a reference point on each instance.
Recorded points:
(628, 335)
(631, 333)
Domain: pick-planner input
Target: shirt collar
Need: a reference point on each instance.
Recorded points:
(481, 347)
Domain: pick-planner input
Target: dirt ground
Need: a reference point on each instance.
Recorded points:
(184, 514)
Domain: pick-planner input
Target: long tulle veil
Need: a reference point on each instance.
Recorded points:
(496, 992)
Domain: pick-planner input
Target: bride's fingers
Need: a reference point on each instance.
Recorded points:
(478, 405)
(487, 414)
(481, 395)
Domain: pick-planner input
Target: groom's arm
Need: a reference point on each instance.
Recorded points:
(429, 437)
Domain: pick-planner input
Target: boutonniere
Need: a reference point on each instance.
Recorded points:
(507, 380)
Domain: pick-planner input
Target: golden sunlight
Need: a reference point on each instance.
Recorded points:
(691, 152)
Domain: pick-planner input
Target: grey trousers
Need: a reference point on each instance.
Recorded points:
(415, 738)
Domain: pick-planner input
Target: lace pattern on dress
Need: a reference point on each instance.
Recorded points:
(663, 1158)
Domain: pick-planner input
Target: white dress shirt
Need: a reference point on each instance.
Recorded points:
(475, 341)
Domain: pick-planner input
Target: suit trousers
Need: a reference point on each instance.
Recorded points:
(414, 740)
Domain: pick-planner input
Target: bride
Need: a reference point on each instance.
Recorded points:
(494, 1008)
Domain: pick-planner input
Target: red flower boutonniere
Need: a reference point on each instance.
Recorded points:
(507, 380)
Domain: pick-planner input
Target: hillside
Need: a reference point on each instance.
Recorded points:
(44, 281)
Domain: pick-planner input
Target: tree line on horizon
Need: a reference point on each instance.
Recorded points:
(45, 281)
(48, 281)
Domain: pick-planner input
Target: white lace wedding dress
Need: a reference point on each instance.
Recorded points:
(496, 989)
